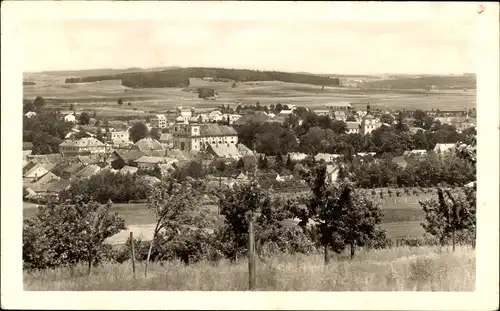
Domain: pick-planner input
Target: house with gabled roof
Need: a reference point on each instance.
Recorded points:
(82, 146)
(88, 171)
(34, 173)
(128, 170)
(72, 170)
(122, 157)
(41, 185)
(228, 151)
(148, 146)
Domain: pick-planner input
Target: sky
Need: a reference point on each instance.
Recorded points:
(425, 46)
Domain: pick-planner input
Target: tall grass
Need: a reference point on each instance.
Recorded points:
(393, 269)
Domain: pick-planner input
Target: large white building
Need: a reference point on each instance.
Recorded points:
(159, 121)
(197, 137)
(86, 145)
(117, 137)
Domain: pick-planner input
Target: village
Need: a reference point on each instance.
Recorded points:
(206, 137)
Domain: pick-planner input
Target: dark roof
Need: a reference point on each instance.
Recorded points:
(89, 159)
(214, 129)
(148, 144)
(129, 155)
(88, 171)
(58, 185)
(28, 167)
(74, 168)
(59, 168)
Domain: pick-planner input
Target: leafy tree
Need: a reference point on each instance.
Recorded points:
(100, 135)
(120, 101)
(287, 141)
(39, 102)
(419, 116)
(341, 216)
(106, 185)
(235, 203)
(386, 118)
(280, 163)
(155, 133)
(453, 218)
(250, 162)
(65, 234)
(240, 165)
(178, 211)
(192, 170)
(339, 127)
(263, 163)
(84, 118)
(205, 92)
(290, 164)
(138, 131)
(44, 143)
(267, 143)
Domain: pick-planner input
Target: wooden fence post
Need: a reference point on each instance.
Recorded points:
(251, 257)
(133, 251)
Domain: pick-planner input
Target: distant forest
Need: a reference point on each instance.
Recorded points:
(425, 82)
(180, 77)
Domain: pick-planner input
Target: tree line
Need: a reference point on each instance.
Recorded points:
(309, 133)
(180, 77)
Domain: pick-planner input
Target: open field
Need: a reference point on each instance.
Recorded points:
(393, 269)
(102, 96)
(402, 217)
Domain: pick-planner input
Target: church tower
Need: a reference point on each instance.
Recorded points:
(368, 123)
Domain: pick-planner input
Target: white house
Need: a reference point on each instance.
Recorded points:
(70, 118)
(30, 114)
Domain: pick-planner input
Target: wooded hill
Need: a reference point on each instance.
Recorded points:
(180, 77)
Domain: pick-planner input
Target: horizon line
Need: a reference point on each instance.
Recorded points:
(256, 69)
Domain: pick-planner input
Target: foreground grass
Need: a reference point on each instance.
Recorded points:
(395, 269)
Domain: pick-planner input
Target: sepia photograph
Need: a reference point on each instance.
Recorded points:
(292, 148)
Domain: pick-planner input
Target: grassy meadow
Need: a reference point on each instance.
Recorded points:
(393, 269)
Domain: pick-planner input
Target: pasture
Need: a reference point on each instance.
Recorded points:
(392, 269)
(402, 217)
(102, 96)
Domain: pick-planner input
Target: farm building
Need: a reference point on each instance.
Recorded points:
(339, 106)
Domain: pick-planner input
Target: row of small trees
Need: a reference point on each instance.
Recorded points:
(333, 218)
